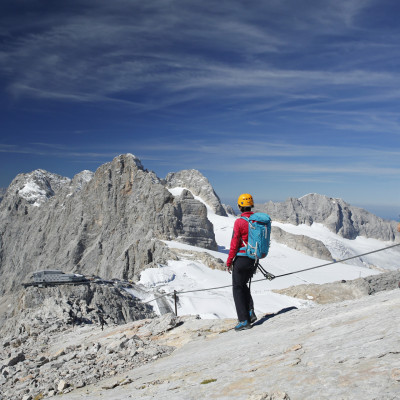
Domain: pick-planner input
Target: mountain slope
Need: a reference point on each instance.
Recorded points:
(2, 193)
(342, 350)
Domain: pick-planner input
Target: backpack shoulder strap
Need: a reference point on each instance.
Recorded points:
(244, 243)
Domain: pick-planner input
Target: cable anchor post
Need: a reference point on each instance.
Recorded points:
(176, 303)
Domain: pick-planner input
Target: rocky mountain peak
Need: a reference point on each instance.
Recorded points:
(109, 223)
(199, 185)
(130, 158)
(318, 199)
(337, 215)
(81, 178)
(37, 186)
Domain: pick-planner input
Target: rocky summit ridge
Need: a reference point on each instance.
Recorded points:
(337, 215)
(109, 223)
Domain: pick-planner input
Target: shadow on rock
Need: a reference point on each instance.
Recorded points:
(269, 316)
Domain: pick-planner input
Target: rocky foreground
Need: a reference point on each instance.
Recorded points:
(43, 338)
(343, 350)
(62, 358)
(346, 350)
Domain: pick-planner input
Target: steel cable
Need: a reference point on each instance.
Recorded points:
(276, 276)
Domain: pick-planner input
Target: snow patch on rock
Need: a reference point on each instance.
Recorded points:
(198, 185)
(33, 194)
(39, 186)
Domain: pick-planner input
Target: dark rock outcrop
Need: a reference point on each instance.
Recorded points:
(38, 308)
(344, 290)
(228, 209)
(312, 247)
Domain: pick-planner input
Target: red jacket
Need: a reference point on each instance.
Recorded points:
(240, 235)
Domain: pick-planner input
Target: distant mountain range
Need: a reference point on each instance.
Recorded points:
(337, 215)
(112, 222)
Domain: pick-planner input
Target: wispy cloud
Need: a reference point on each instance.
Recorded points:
(255, 156)
(246, 148)
(311, 168)
(55, 150)
(152, 57)
(290, 89)
(246, 155)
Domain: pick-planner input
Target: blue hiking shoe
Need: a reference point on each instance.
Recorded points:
(252, 316)
(242, 325)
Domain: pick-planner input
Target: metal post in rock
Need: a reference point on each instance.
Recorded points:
(176, 304)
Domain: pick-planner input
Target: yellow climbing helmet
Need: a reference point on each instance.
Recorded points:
(245, 200)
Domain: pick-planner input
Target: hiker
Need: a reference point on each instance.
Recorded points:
(398, 227)
(101, 319)
(242, 267)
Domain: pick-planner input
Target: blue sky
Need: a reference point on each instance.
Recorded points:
(276, 98)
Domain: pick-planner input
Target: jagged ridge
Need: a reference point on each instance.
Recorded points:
(104, 224)
(337, 215)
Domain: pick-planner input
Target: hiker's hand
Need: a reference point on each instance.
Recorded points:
(229, 268)
(398, 227)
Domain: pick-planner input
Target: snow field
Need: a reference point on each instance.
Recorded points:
(186, 275)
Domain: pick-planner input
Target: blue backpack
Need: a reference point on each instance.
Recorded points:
(259, 236)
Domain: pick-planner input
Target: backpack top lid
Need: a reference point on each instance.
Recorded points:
(260, 217)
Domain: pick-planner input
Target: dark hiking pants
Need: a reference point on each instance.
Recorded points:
(243, 270)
